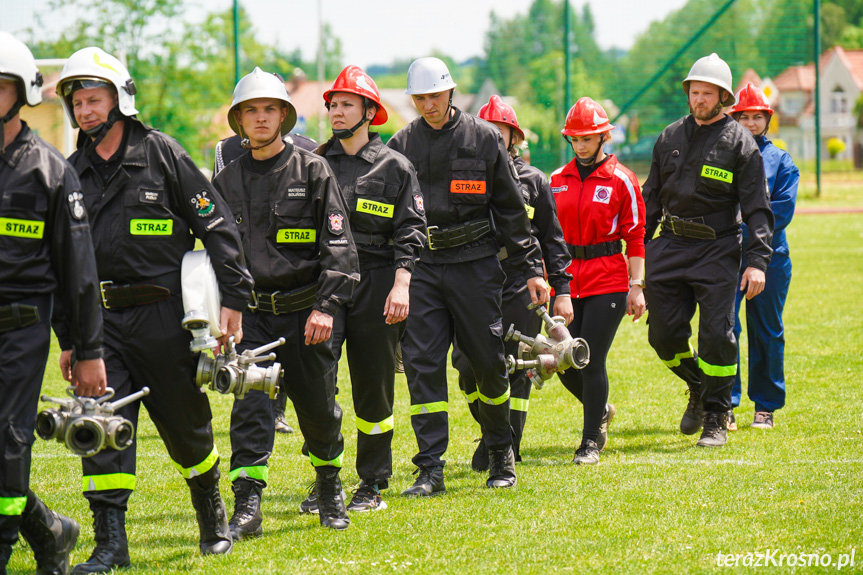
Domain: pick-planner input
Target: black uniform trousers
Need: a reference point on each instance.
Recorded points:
(514, 307)
(145, 346)
(681, 273)
(310, 380)
(23, 355)
(459, 300)
(371, 349)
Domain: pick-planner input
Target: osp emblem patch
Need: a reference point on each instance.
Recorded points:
(336, 223)
(418, 203)
(203, 205)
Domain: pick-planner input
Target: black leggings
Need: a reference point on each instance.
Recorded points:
(596, 321)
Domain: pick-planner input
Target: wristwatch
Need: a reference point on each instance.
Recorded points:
(636, 283)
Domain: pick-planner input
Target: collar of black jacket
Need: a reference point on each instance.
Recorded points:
(16, 148)
(369, 152)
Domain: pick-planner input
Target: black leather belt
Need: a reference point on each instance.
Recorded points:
(16, 316)
(365, 239)
(595, 250)
(458, 235)
(139, 293)
(707, 227)
(278, 302)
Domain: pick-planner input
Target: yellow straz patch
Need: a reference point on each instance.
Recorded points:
(33, 229)
(530, 211)
(151, 227)
(467, 187)
(716, 174)
(375, 208)
(296, 236)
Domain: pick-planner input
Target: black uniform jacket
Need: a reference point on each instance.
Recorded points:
(383, 197)
(146, 216)
(230, 149)
(702, 170)
(294, 225)
(45, 239)
(544, 225)
(464, 174)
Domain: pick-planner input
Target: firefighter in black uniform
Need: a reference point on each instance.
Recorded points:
(147, 202)
(45, 247)
(706, 170)
(388, 225)
(540, 207)
(294, 225)
(227, 151)
(466, 180)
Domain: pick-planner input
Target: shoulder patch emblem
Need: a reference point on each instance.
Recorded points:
(336, 223)
(203, 205)
(418, 203)
(602, 194)
(76, 205)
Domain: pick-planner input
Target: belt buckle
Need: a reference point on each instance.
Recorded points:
(253, 304)
(273, 301)
(431, 229)
(102, 286)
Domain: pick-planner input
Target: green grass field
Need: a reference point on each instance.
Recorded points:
(654, 504)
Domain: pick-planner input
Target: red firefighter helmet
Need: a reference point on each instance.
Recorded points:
(751, 98)
(354, 80)
(585, 118)
(497, 111)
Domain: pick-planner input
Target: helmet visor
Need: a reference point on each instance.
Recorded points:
(83, 83)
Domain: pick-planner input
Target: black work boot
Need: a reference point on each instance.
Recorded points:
(501, 468)
(479, 461)
(212, 521)
(692, 418)
(246, 520)
(279, 405)
(331, 500)
(714, 434)
(51, 536)
(5, 554)
(428, 482)
(112, 545)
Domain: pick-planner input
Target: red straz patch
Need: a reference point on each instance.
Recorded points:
(467, 187)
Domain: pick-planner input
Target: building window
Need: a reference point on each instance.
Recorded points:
(838, 101)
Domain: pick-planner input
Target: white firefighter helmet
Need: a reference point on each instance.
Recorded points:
(260, 84)
(713, 70)
(428, 76)
(201, 300)
(17, 63)
(91, 67)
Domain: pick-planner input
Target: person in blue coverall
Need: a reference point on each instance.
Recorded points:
(764, 327)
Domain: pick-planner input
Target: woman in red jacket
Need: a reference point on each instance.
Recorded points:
(599, 206)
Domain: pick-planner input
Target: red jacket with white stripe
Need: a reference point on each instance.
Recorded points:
(606, 206)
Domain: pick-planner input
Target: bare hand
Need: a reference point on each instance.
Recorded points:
(230, 324)
(563, 308)
(66, 364)
(753, 281)
(538, 290)
(89, 377)
(319, 327)
(397, 305)
(635, 302)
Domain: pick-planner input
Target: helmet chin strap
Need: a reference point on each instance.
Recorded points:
(11, 114)
(98, 133)
(344, 134)
(246, 144)
(592, 160)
